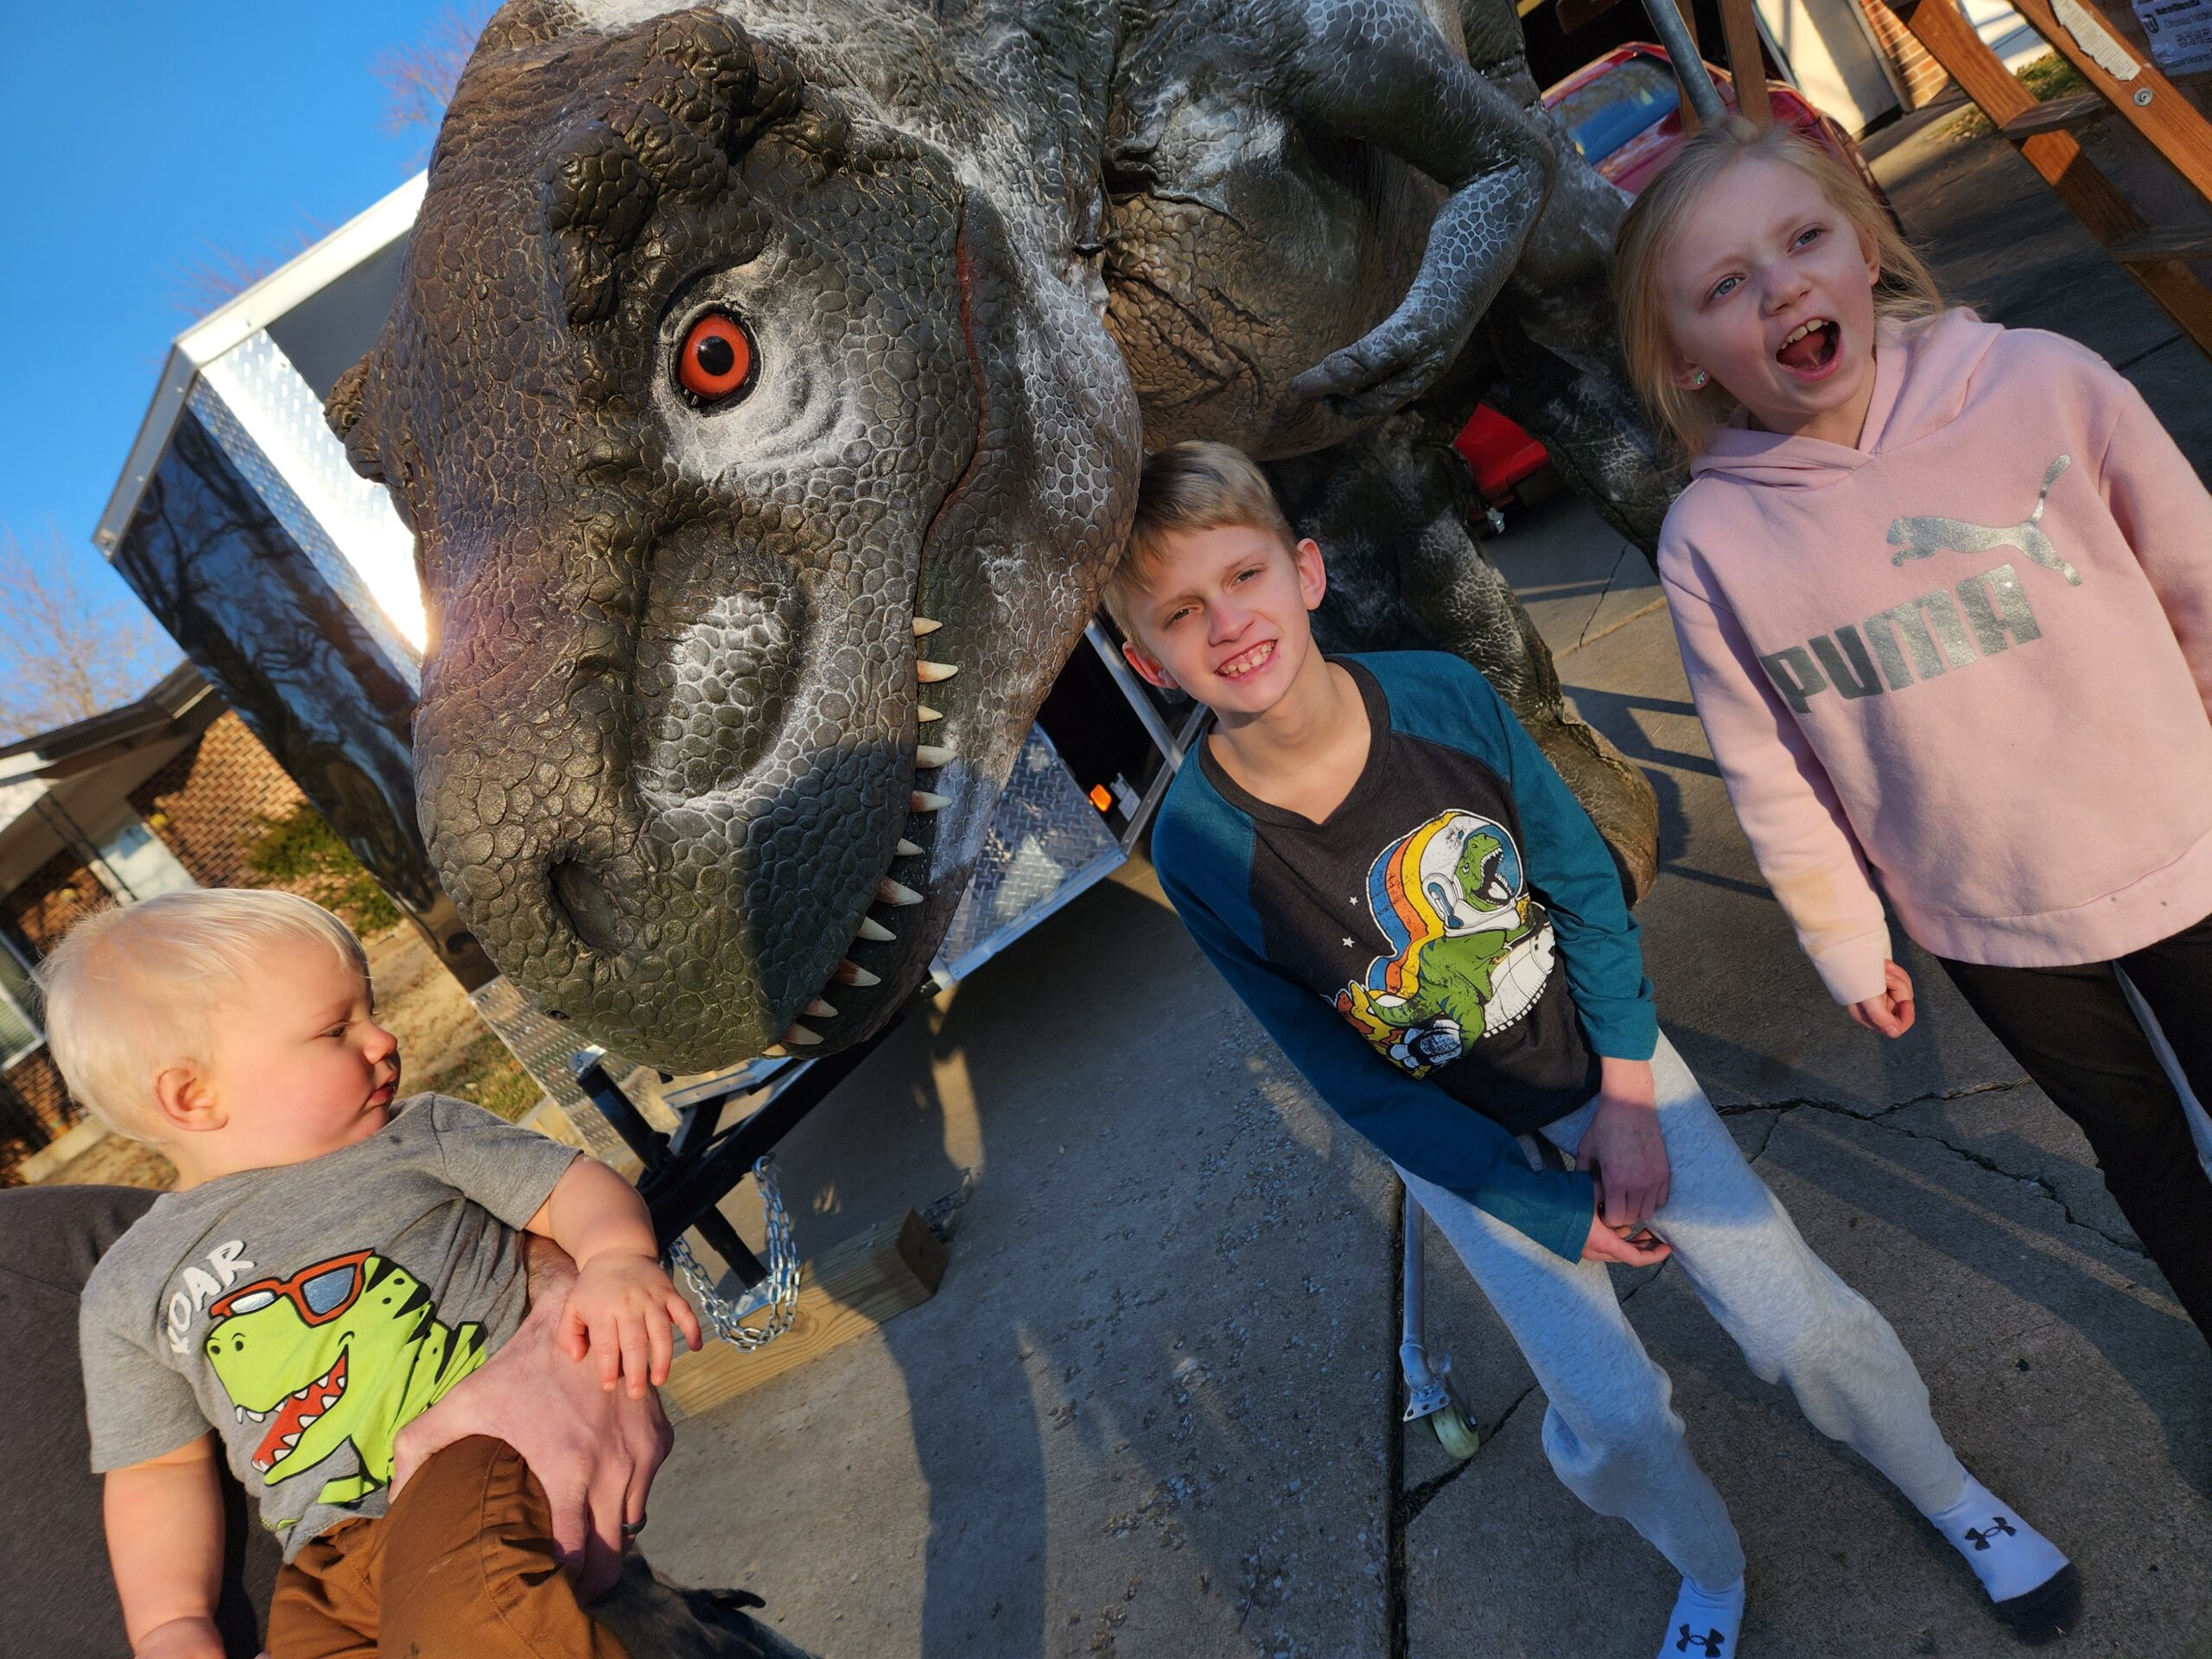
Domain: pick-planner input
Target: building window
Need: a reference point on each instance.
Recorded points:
(19, 1029)
(136, 863)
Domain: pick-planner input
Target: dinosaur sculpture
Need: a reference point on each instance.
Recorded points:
(766, 391)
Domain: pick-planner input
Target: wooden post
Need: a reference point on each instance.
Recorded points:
(1739, 33)
(2151, 102)
(2064, 165)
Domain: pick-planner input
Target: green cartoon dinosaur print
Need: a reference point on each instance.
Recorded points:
(348, 1351)
(1471, 952)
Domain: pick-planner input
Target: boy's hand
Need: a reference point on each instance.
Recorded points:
(1623, 1143)
(620, 1311)
(1890, 1014)
(181, 1638)
(1620, 1244)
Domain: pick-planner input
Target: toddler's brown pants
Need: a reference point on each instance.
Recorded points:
(462, 1565)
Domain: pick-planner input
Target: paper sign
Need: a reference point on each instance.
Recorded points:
(2180, 32)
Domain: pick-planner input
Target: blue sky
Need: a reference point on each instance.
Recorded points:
(142, 135)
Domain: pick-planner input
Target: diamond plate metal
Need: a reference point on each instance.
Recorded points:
(1047, 843)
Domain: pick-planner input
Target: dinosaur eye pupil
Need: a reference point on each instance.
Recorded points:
(716, 364)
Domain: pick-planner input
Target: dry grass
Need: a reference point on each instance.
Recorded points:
(2046, 78)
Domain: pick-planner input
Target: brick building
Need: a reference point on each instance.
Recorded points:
(162, 793)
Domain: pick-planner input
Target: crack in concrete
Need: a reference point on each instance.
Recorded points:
(1933, 1097)
(2043, 1184)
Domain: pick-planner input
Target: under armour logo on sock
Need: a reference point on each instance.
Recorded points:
(1980, 1540)
(1708, 1644)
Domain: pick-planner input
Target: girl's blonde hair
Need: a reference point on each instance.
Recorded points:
(1905, 291)
(130, 991)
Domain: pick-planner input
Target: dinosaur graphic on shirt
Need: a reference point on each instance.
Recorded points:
(348, 1351)
(1470, 950)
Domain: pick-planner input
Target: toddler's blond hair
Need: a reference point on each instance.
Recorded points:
(1904, 292)
(129, 992)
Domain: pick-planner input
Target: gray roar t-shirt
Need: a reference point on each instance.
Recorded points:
(310, 1312)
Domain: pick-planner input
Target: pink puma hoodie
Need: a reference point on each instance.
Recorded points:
(1968, 660)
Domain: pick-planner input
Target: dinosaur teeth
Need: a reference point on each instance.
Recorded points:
(800, 1036)
(922, 801)
(849, 972)
(929, 673)
(928, 714)
(928, 756)
(776, 1052)
(906, 849)
(291, 1441)
(818, 1009)
(307, 1417)
(888, 891)
(924, 627)
(874, 932)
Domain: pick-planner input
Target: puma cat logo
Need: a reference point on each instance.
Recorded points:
(1917, 538)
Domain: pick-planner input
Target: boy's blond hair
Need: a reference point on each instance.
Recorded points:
(129, 991)
(1905, 290)
(1184, 490)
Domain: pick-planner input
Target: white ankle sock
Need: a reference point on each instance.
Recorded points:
(1703, 1625)
(2008, 1555)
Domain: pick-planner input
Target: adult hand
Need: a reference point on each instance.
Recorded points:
(1623, 1144)
(1890, 1014)
(594, 1452)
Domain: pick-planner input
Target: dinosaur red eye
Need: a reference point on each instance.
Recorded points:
(717, 362)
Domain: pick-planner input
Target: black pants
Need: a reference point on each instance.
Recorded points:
(2074, 1032)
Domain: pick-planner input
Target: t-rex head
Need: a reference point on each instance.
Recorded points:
(731, 420)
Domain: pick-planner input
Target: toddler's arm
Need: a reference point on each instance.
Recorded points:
(623, 1301)
(165, 1541)
(1784, 800)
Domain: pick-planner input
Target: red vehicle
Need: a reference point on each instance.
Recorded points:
(1625, 113)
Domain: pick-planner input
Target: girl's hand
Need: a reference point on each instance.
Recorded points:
(1890, 1014)
(621, 1310)
(1623, 1143)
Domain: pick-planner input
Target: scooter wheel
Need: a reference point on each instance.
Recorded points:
(1453, 1432)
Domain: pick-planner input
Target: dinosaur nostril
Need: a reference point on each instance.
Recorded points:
(582, 898)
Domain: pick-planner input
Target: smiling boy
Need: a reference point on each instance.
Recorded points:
(1397, 883)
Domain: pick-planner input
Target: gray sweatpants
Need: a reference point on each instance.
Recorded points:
(1609, 1430)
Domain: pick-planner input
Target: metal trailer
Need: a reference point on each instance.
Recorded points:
(291, 581)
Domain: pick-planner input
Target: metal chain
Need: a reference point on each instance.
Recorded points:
(777, 1293)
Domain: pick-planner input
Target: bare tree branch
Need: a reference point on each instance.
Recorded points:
(221, 275)
(65, 656)
(419, 78)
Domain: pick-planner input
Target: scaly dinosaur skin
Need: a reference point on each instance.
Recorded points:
(982, 255)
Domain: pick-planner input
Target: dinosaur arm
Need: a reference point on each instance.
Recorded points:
(1381, 73)
(165, 1542)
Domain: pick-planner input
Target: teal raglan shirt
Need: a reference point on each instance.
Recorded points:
(1209, 852)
